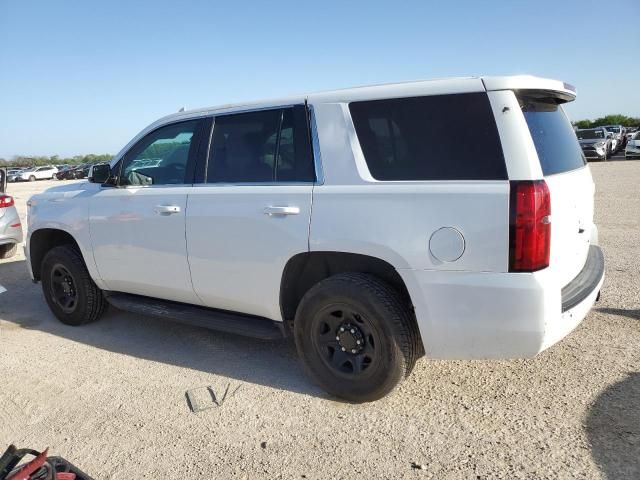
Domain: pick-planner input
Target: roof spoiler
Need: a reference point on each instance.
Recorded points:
(562, 92)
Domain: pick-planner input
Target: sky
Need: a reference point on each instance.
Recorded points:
(79, 77)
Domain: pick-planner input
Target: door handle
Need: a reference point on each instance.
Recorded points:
(166, 209)
(274, 211)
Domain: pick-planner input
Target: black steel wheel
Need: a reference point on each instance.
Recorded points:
(63, 289)
(70, 292)
(356, 336)
(345, 340)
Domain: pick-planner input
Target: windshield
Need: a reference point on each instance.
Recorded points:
(613, 129)
(589, 134)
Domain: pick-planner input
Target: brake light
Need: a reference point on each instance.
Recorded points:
(529, 226)
(6, 201)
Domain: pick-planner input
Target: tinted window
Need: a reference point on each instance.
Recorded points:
(264, 147)
(443, 137)
(161, 158)
(553, 136)
(294, 161)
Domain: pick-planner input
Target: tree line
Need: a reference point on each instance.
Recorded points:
(609, 120)
(38, 161)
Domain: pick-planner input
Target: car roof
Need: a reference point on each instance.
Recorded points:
(393, 90)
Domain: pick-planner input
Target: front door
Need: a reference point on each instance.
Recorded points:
(138, 227)
(252, 214)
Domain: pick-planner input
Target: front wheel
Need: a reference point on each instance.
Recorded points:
(357, 337)
(32, 178)
(70, 292)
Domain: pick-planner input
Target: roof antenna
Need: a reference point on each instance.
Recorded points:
(181, 110)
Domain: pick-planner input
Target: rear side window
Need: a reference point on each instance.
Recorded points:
(555, 140)
(441, 137)
(267, 146)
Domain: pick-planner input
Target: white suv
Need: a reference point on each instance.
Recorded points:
(36, 173)
(452, 218)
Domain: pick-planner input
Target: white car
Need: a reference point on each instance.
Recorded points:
(447, 218)
(633, 147)
(37, 173)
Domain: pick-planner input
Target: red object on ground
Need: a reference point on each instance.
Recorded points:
(66, 476)
(27, 469)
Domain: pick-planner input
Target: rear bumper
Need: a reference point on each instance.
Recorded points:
(576, 291)
(463, 315)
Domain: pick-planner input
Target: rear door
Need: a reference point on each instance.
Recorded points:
(569, 180)
(138, 228)
(252, 213)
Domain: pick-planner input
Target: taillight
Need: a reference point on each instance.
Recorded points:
(6, 201)
(530, 226)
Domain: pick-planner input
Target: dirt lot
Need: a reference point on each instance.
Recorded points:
(110, 396)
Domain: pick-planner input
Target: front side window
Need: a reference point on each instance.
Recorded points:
(162, 157)
(440, 137)
(267, 146)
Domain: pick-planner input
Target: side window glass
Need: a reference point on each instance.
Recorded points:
(294, 162)
(261, 147)
(161, 157)
(243, 147)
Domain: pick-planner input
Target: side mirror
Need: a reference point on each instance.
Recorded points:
(99, 173)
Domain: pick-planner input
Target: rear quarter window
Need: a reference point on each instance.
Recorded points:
(553, 136)
(440, 137)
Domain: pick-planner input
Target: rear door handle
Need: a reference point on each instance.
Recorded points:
(274, 211)
(166, 209)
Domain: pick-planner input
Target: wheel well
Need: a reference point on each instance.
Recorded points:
(44, 240)
(304, 270)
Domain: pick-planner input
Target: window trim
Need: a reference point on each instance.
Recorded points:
(192, 160)
(314, 148)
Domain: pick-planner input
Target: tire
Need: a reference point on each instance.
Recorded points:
(8, 250)
(64, 276)
(32, 178)
(356, 336)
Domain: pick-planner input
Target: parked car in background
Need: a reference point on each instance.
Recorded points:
(10, 227)
(72, 172)
(62, 171)
(632, 150)
(37, 173)
(630, 133)
(617, 131)
(82, 171)
(13, 174)
(441, 225)
(595, 143)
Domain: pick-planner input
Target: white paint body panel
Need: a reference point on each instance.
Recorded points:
(222, 251)
(237, 252)
(138, 250)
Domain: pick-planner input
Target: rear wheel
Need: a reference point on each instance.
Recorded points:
(8, 250)
(70, 292)
(356, 336)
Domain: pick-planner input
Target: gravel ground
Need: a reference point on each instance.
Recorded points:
(110, 396)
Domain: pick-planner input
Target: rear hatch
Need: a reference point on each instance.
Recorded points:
(569, 180)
